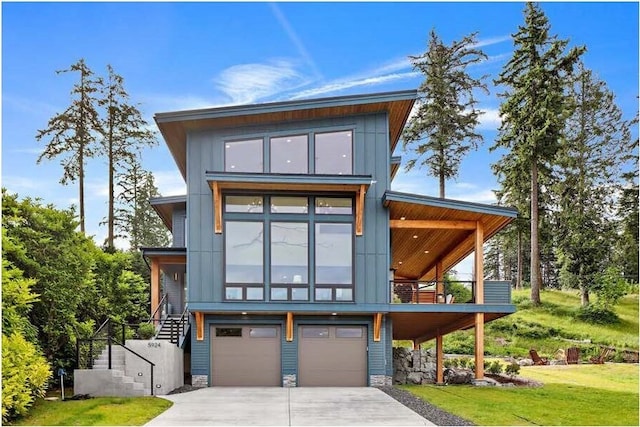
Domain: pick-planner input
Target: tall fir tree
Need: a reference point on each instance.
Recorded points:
(73, 132)
(533, 114)
(588, 188)
(125, 134)
(135, 218)
(443, 129)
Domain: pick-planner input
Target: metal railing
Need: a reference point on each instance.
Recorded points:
(88, 350)
(425, 292)
(178, 327)
(163, 304)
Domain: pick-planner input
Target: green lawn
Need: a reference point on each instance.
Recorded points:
(99, 411)
(572, 395)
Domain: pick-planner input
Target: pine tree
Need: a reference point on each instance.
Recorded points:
(125, 133)
(135, 219)
(73, 132)
(533, 114)
(589, 164)
(443, 129)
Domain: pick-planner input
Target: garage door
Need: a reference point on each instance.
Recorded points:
(332, 356)
(245, 356)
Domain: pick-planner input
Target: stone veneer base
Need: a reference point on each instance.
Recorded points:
(289, 380)
(379, 380)
(199, 380)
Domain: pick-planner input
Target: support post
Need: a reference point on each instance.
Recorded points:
(155, 289)
(377, 326)
(439, 360)
(217, 207)
(440, 296)
(289, 331)
(199, 325)
(479, 344)
(416, 345)
(479, 268)
(360, 209)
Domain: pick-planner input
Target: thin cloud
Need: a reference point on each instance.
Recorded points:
(170, 183)
(341, 85)
(293, 36)
(490, 119)
(247, 83)
(491, 41)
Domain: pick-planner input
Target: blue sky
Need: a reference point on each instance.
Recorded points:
(177, 56)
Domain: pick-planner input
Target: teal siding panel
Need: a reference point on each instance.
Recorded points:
(361, 295)
(497, 292)
(388, 329)
(177, 227)
(199, 351)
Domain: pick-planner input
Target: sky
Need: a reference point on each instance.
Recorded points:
(175, 56)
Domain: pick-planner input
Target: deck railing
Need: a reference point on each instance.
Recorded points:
(429, 292)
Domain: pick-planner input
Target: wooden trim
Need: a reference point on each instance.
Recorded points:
(377, 326)
(439, 279)
(199, 325)
(155, 287)
(479, 260)
(416, 345)
(217, 207)
(433, 224)
(479, 345)
(289, 327)
(360, 209)
(439, 359)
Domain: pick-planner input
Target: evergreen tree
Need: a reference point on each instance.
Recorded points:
(73, 132)
(135, 218)
(533, 114)
(589, 164)
(443, 129)
(125, 133)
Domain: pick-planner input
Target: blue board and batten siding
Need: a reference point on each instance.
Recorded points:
(178, 228)
(205, 152)
(378, 353)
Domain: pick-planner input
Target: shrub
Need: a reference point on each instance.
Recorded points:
(146, 331)
(597, 314)
(495, 367)
(459, 343)
(512, 369)
(25, 373)
(464, 362)
(459, 291)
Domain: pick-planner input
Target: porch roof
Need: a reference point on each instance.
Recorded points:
(444, 231)
(175, 126)
(164, 206)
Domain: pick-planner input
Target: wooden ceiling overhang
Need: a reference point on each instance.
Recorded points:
(175, 126)
(295, 183)
(424, 326)
(164, 206)
(426, 231)
(166, 256)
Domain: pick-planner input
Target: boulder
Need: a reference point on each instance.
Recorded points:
(414, 378)
(457, 376)
(525, 362)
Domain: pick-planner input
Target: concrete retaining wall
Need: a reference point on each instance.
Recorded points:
(168, 374)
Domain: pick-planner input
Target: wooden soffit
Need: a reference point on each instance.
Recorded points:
(426, 231)
(175, 126)
(165, 206)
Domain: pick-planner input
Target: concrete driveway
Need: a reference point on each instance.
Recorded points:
(271, 406)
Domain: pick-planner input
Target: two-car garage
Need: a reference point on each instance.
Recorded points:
(251, 355)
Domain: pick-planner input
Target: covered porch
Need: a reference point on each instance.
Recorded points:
(430, 236)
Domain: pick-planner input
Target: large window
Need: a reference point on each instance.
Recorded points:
(325, 153)
(243, 156)
(334, 153)
(267, 251)
(289, 154)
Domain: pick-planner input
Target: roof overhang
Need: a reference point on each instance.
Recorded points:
(175, 126)
(288, 182)
(165, 206)
(444, 231)
(166, 256)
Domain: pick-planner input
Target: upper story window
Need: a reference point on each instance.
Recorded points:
(243, 156)
(289, 154)
(334, 153)
(323, 153)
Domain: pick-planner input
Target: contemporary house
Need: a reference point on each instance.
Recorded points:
(294, 261)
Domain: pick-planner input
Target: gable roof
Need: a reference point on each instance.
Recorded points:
(165, 206)
(174, 126)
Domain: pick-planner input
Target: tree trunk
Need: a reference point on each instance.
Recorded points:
(81, 186)
(111, 207)
(519, 272)
(584, 296)
(442, 186)
(535, 249)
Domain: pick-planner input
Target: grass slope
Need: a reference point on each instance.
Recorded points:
(549, 327)
(574, 395)
(99, 411)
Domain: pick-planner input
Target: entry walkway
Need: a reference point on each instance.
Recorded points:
(271, 406)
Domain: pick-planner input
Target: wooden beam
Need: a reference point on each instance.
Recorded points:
(433, 224)
(439, 360)
(479, 345)
(289, 327)
(360, 209)
(155, 288)
(199, 325)
(479, 262)
(217, 207)
(377, 326)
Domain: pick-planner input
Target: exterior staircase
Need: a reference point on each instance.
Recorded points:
(126, 385)
(164, 332)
